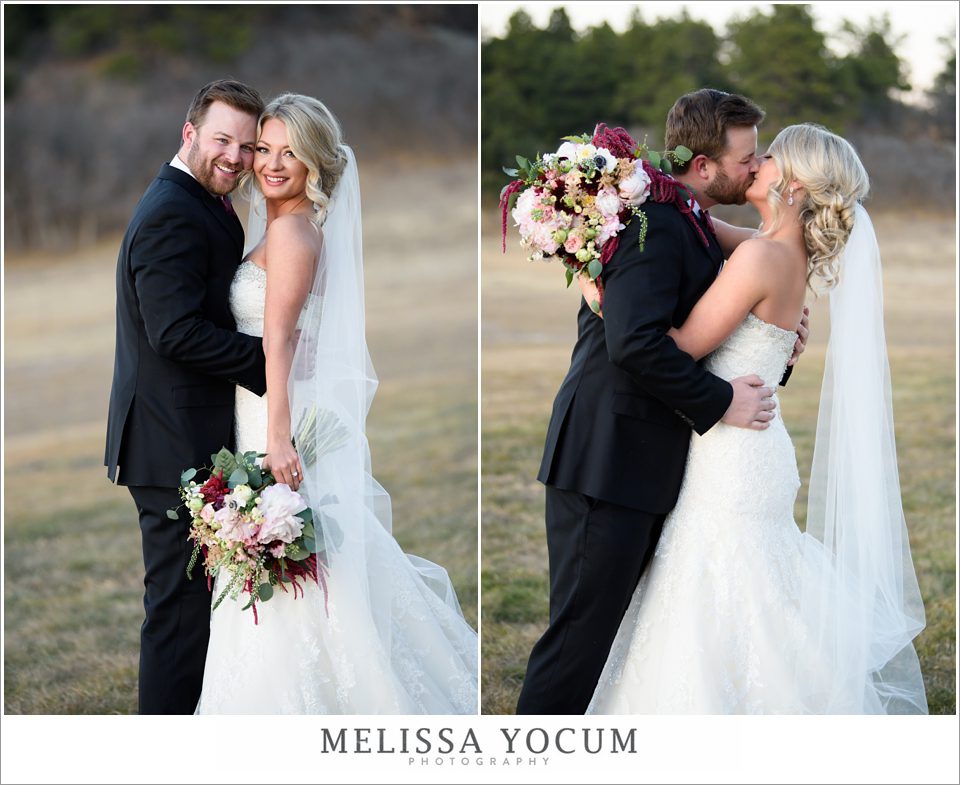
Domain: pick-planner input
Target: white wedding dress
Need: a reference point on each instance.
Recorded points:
(308, 657)
(715, 626)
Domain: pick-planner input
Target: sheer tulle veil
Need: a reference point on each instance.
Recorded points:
(860, 597)
(394, 635)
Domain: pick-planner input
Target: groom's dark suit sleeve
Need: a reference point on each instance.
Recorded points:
(169, 266)
(641, 291)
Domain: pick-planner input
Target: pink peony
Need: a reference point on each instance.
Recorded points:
(609, 228)
(608, 202)
(233, 526)
(207, 513)
(636, 188)
(279, 505)
(538, 221)
(527, 202)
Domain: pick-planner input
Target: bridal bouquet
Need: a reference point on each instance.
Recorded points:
(571, 205)
(259, 530)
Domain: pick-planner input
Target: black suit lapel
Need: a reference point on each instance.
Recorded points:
(712, 249)
(715, 251)
(229, 222)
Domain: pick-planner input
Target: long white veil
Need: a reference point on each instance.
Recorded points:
(860, 597)
(396, 640)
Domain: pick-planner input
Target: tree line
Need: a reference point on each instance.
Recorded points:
(541, 83)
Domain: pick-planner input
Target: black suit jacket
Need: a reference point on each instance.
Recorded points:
(620, 427)
(178, 355)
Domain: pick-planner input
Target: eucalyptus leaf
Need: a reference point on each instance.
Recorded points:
(654, 158)
(298, 553)
(266, 591)
(308, 530)
(595, 306)
(188, 475)
(683, 153)
(569, 275)
(310, 544)
(665, 166)
(172, 515)
(255, 477)
(594, 269)
(238, 477)
(509, 173)
(306, 515)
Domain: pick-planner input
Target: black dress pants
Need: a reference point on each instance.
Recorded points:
(597, 553)
(176, 627)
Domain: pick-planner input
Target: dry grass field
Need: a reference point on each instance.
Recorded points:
(528, 331)
(73, 568)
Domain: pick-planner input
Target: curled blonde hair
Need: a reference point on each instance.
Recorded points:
(316, 140)
(833, 180)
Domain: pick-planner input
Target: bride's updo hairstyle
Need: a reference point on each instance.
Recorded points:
(315, 139)
(833, 180)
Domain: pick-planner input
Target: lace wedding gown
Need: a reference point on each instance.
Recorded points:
(714, 625)
(305, 658)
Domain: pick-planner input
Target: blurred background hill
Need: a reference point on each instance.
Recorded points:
(95, 95)
(540, 83)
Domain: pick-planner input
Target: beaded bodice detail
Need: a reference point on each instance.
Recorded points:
(248, 296)
(754, 347)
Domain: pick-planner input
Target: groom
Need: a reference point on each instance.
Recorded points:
(618, 436)
(178, 358)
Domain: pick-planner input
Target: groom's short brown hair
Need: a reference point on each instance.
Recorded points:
(228, 91)
(699, 121)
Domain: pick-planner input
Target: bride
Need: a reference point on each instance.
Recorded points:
(738, 611)
(385, 635)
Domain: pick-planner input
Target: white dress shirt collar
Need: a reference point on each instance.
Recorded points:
(177, 163)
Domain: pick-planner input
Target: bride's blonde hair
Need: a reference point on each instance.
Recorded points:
(316, 140)
(833, 180)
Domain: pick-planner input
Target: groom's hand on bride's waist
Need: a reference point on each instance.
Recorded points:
(752, 405)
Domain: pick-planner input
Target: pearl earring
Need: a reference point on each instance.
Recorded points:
(790, 199)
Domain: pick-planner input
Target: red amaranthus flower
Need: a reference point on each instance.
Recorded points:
(663, 188)
(616, 140)
(214, 489)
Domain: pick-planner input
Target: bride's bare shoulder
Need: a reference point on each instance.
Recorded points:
(291, 236)
(761, 252)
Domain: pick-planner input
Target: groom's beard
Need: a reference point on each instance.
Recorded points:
(723, 190)
(206, 172)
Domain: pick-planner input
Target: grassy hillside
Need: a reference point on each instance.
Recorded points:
(528, 331)
(74, 573)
